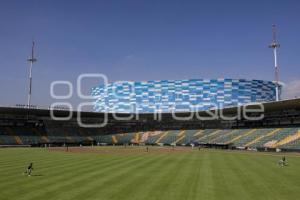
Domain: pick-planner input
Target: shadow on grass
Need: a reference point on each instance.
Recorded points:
(37, 175)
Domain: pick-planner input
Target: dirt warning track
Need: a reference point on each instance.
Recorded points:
(152, 150)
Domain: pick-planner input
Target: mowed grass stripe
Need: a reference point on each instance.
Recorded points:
(285, 186)
(194, 180)
(177, 185)
(205, 174)
(53, 170)
(158, 185)
(239, 181)
(188, 177)
(108, 182)
(32, 184)
(57, 168)
(224, 175)
(28, 155)
(94, 174)
(74, 176)
(18, 155)
(189, 181)
(135, 185)
(206, 190)
(21, 163)
(247, 177)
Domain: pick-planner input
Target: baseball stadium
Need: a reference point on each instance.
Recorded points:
(137, 156)
(164, 127)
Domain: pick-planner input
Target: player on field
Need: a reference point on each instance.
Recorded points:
(29, 169)
(283, 161)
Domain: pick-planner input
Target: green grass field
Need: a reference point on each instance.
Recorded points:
(135, 174)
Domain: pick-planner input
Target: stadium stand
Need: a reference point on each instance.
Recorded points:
(280, 128)
(284, 138)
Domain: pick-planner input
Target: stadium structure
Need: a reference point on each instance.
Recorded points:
(203, 112)
(180, 95)
(279, 129)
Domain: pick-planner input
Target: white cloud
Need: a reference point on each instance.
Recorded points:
(291, 89)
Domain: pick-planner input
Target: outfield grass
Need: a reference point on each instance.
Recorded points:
(205, 174)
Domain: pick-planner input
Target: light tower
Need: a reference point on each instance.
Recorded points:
(31, 60)
(274, 45)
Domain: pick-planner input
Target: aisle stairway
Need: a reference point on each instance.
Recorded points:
(273, 138)
(259, 138)
(287, 139)
(240, 136)
(219, 137)
(178, 140)
(161, 137)
(114, 139)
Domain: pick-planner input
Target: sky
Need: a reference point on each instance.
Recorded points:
(143, 40)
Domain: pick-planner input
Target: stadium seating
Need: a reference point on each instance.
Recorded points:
(238, 137)
(275, 136)
(228, 136)
(243, 141)
(169, 137)
(105, 139)
(295, 144)
(284, 138)
(154, 137)
(188, 137)
(125, 138)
